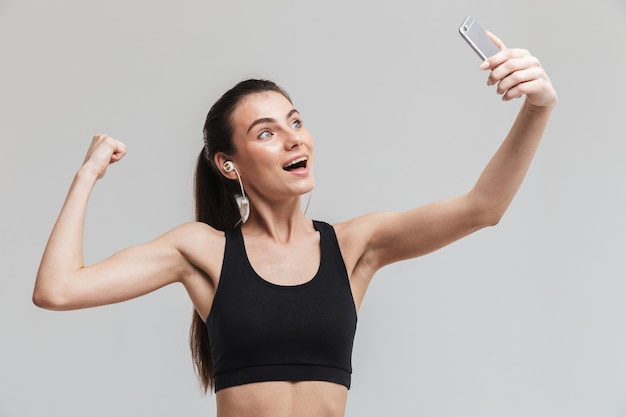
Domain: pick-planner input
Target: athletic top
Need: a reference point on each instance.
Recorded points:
(261, 331)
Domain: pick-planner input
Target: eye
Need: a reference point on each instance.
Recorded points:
(265, 134)
(296, 124)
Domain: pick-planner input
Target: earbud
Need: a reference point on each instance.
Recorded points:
(242, 201)
(244, 207)
(229, 166)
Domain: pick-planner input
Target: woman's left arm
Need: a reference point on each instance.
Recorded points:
(397, 236)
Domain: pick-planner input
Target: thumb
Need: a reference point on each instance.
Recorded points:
(496, 40)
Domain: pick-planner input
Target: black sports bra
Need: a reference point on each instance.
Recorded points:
(261, 331)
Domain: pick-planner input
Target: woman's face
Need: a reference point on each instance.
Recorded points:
(274, 150)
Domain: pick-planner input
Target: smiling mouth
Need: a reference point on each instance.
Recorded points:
(296, 164)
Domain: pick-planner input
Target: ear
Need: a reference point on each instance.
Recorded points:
(219, 159)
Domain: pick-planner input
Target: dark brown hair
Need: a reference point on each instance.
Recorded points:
(215, 198)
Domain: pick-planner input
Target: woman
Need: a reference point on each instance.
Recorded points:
(276, 294)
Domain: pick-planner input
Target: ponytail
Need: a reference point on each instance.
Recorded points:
(215, 200)
(215, 206)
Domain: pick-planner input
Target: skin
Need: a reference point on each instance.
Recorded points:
(268, 134)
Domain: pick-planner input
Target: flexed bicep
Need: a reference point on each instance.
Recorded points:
(130, 273)
(65, 282)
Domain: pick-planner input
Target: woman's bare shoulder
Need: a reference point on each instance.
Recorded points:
(198, 230)
(193, 237)
(358, 228)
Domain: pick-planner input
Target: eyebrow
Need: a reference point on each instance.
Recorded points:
(270, 120)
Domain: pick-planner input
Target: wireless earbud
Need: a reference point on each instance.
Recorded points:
(229, 166)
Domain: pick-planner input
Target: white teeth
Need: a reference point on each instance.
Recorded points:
(295, 161)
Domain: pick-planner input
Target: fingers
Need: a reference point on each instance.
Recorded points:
(517, 69)
(107, 146)
(103, 151)
(525, 88)
(516, 73)
(502, 57)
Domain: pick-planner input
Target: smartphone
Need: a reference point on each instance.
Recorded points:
(476, 37)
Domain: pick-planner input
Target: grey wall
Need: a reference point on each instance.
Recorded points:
(525, 319)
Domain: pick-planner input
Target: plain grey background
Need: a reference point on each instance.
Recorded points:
(524, 319)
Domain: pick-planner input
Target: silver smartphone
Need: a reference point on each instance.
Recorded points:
(476, 37)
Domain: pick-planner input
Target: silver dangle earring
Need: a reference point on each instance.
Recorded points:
(242, 201)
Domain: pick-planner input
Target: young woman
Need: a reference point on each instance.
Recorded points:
(276, 294)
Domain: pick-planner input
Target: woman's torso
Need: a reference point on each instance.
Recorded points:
(289, 264)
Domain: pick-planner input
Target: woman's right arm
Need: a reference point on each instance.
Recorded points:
(64, 282)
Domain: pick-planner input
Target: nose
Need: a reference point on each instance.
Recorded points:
(293, 139)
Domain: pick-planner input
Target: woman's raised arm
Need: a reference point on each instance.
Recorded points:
(395, 236)
(64, 282)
